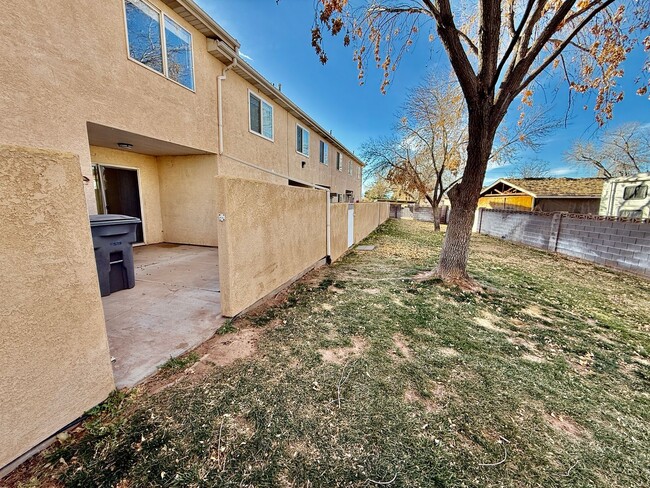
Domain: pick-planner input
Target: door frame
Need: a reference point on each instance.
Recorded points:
(137, 172)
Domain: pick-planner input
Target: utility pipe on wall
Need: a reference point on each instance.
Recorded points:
(220, 79)
(328, 218)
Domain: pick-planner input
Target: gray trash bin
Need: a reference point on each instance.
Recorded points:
(113, 236)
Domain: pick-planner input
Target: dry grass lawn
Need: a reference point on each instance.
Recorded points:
(361, 377)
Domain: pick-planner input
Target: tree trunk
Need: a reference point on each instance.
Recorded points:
(435, 208)
(464, 196)
(436, 218)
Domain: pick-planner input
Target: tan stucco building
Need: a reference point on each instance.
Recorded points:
(145, 108)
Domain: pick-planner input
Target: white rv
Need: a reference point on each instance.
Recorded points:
(627, 196)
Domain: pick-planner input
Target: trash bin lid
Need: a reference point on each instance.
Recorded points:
(112, 219)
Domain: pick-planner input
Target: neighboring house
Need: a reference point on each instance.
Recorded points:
(574, 195)
(627, 196)
(145, 108)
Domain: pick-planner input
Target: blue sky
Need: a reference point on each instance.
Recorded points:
(276, 40)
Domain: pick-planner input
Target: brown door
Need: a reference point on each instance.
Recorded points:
(118, 192)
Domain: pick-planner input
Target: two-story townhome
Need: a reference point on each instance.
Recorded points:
(138, 107)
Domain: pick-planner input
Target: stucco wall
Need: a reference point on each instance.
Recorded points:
(384, 211)
(148, 179)
(54, 359)
(187, 199)
(339, 229)
(366, 219)
(270, 234)
(79, 72)
(279, 155)
(75, 69)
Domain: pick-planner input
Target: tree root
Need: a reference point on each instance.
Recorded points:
(465, 283)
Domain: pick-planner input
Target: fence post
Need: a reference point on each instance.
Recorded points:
(556, 223)
(480, 219)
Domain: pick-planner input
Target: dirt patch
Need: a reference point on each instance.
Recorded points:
(531, 352)
(583, 364)
(426, 332)
(402, 351)
(518, 323)
(335, 289)
(533, 358)
(566, 425)
(372, 291)
(340, 355)
(448, 352)
(536, 312)
(487, 321)
(219, 350)
(434, 401)
(327, 307)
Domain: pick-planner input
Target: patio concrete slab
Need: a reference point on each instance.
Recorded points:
(175, 306)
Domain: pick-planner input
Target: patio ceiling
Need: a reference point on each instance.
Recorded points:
(104, 136)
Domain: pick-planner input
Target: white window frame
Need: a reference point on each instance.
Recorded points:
(298, 126)
(262, 100)
(326, 158)
(163, 45)
(339, 161)
(350, 168)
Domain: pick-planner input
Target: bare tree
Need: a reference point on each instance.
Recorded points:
(623, 151)
(380, 189)
(530, 168)
(426, 155)
(496, 50)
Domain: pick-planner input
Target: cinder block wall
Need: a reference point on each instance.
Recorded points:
(619, 244)
(525, 227)
(615, 243)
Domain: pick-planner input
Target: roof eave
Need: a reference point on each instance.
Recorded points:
(503, 180)
(225, 54)
(210, 26)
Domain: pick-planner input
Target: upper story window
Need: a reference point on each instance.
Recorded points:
(358, 172)
(261, 116)
(167, 52)
(339, 161)
(638, 192)
(302, 140)
(350, 168)
(324, 153)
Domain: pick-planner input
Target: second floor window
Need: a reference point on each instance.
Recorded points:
(339, 161)
(302, 140)
(171, 58)
(324, 150)
(350, 168)
(261, 116)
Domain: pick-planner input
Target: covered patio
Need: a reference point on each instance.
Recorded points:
(174, 306)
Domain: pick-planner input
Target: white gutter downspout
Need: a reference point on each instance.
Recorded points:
(220, 79)
(329, 228)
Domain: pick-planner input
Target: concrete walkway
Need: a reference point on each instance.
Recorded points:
(174, 307)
